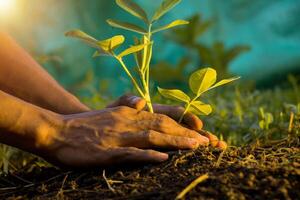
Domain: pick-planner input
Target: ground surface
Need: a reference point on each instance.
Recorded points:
(271, 171)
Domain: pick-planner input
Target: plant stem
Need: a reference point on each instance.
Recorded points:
(187, 108)
(131, 77)
(144, 73)
(184, 112)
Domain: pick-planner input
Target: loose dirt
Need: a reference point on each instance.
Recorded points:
(270, 171)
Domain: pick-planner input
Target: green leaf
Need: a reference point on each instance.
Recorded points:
(174, 94)
(126, 26)
(104, 47)
(201, 80)
(133, 9)
(131, 50)
(224, 81)
(200, 108)
(111, 43)
(171, 25)
(164, 8)
(269, 118)
(262, 124)
(89, 40)
(98, 54)
(82, 36)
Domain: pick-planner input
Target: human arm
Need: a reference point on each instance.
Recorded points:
(96, 138)
(21, 76)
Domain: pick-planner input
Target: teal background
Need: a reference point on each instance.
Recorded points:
(270, 27)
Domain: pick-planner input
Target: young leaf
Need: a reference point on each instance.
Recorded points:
(133, 9)
(171, 25)
(89, 40)
(176, 95)
(224, 81)
(82, 36)
(98, 54)
(126, 26)
(202, 80)
(111, 43)
(131, 50)
(200, 108)
(164, 8)
(116, 41)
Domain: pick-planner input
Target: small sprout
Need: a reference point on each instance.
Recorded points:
(142, 48)
(200, 82)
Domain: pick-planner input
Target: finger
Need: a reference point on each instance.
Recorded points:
(213, 140)
(134, 155)
(164, 124)
(153, 139)
(175, 113)
(130, 101)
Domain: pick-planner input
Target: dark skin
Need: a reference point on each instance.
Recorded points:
(39, 116)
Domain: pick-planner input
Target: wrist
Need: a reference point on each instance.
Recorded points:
(47, 132)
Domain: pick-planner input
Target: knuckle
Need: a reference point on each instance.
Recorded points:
(150, 135)
(123, 109)
(176, 142)
(163, 119)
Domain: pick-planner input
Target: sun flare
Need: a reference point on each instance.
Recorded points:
(6, 7)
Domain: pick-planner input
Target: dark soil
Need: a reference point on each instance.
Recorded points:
(271, 171)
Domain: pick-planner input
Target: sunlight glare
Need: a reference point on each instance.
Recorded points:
(6, 7)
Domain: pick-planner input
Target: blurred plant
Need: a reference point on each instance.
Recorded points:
(216, 55)
(6, 154)
(175, 73)
(200, 82)
(294, 82)
(220, 57)
(142, 48)
(266, 119)
(189, 35)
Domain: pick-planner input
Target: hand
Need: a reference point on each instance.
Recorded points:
(116, 135)
(190, 120)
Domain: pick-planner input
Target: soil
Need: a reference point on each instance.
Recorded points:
(270, 171)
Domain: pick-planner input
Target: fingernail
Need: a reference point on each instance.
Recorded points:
(162, 156)
(135, 100)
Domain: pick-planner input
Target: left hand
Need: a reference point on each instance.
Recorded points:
(190, 120)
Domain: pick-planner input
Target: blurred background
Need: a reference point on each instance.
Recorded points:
(258, 40)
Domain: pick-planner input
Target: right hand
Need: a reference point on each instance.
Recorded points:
(116, 135)
(190, 120)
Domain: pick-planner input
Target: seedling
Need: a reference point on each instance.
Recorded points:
(142, 48)
(200, 82)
